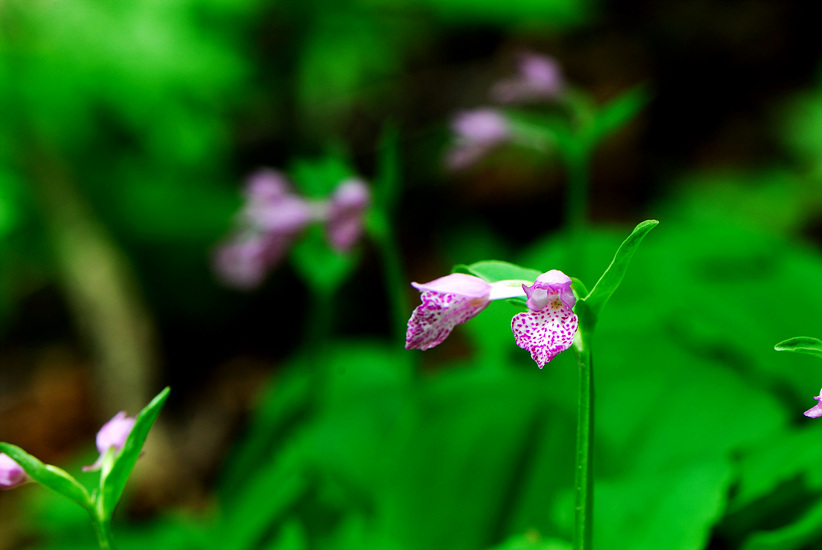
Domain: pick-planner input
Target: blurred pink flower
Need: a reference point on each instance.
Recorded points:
(346, 209)
(539, 79)
(816, 410)
(11, 473)
(476, 132)
(549, 327)
(113, 434)
(272, 219)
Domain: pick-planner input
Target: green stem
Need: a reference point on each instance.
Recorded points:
(102, 528)
(583, 479)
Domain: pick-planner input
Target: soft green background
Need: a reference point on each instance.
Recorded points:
(126, 130)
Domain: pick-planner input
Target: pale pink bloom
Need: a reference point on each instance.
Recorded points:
(539, 79)
(113, 434)
(346, 209)
(816, 410)
(11, 473)
(476, 133)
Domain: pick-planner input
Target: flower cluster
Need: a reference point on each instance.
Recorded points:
(545, 330)
(272, 218)
(477, 132)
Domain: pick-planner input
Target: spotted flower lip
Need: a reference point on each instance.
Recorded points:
(549, 327)
(113, 434)
(816, 410)
(11, 473)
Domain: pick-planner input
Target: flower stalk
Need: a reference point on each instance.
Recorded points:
(583, 476)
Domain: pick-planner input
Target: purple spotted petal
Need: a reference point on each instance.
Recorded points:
(11, 474)
(345, 213)
(545, 333)
(816, 410)
(446, 303)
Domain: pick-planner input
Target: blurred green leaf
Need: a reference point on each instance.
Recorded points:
(321, 267)
(555, 14)
(612, 116)
(113, 482)
(615, 272)
(532, 541)
(800, 534)
(687, 502)
(493, 271)
(49, 476)
(801, 344)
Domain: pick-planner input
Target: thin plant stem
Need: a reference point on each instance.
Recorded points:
(583, 478)
(102, 528)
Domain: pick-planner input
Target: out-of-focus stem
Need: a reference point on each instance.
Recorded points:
(576, 215)
(394, 282)
(100, 290)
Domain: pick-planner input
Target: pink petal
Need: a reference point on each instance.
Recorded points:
(11, 474)
(457, 283)
(434, 319)
(545, 333)
(481, 126)
(816, 410)
(345, 213)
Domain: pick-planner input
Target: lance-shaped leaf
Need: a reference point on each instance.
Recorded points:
(113, 480)
(54, 478)
(801, 344)
(613, 276)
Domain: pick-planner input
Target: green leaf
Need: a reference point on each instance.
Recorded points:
(801, 344)
(113, 482)
(54, 478)
(613, 276)
(616, 114)
(493, 271)
(321, 267)
(799, 534)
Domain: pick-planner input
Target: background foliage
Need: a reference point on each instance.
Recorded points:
(297, 420)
